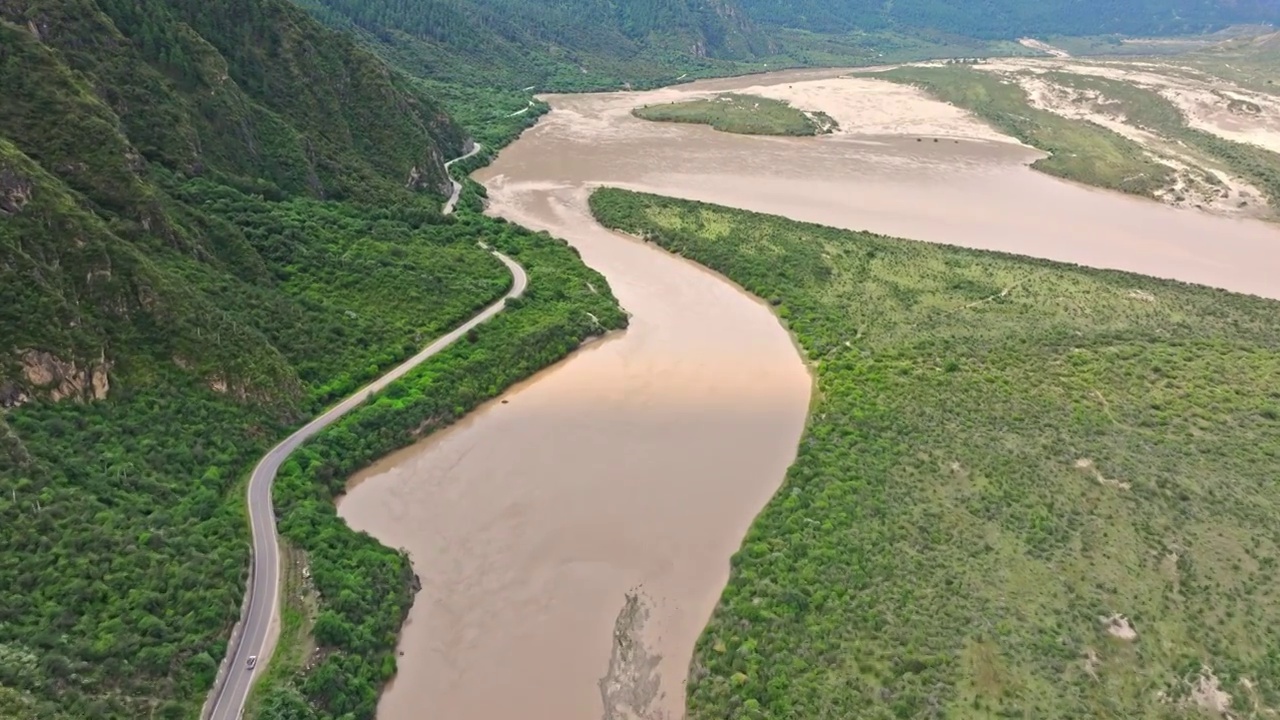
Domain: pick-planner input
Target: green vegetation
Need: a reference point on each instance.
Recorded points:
(579, 45)
(1003, 454)
(1147, 109)
(745, 114)
(567, 46)
(1009, 19)
(299, 608)
(365, 589)
(1118, 45)
(127, 547)
(1079, 151)
(1091, 154)
(215, 220)
(882, 47)
(584, 46)
(150, 258)
(1248, 61)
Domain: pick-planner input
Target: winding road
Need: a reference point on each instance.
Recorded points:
(255, 635)
(452, 202)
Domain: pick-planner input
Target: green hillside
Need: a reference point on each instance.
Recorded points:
(606, 44)
(215, 219)
(113, 111)
(1012, 18)
(566, 45)
(1026, 489)
(219, 217)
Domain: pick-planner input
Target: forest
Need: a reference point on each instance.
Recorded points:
(1026, 489)
(225, 231)
(569, 46)
(346, 649)
(1009, 19)
(234, 221)
(580, 45)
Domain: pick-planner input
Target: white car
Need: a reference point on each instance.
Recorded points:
(253, 660)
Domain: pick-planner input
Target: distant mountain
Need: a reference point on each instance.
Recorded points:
(572, 45)
(1013, 18)
(536, 41)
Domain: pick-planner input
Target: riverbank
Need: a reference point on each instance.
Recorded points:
(347, 595)
(1166, 130)
(548, 567)
(536, 517)
(965, 469)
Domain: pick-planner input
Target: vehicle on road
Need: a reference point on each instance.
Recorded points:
(253, 660)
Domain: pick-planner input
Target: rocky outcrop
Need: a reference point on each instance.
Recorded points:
(13, 395)
(45, 374)
(415, 179)
(431, 174)
(632, 688)
(15, 192)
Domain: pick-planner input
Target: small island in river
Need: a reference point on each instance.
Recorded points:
(743, 114)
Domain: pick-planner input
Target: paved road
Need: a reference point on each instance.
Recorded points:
(457, 186)
(259, 626)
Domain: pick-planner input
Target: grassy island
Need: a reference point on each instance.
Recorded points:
(743, 114)
(1026, 489)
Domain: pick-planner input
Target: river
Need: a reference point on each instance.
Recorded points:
(639, 463)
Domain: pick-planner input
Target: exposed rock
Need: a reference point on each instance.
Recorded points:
(1207, 692)
(418, 180)
(99, 380)
(61, 379)
(15, 192)
(40, 368)
(415, 179)
(135, 161)
(235, 388)
(12, 448)
(12, 395)
(631, 687)
(1118, 626)
(1092, 663)
(39, 26)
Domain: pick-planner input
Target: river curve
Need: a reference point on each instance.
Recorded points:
(640, 462)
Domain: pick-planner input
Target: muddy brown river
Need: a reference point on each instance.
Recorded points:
(639, 463)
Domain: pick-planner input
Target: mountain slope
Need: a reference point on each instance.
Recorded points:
(255, 95)
(214, 218)
(565, 45)
(575, 45)
(1009, 19)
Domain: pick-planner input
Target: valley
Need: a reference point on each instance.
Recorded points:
(967, 331)
(533, 583)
